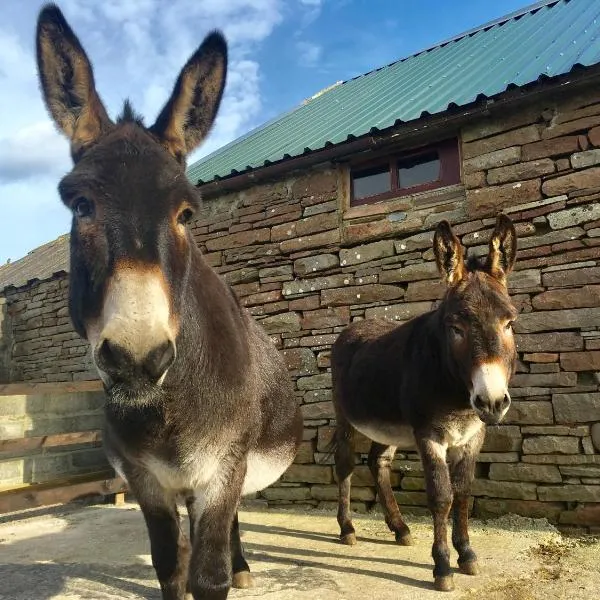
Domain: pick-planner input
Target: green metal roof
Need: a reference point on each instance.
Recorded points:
(543, 40)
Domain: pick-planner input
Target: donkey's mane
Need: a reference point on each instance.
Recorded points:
(475, 263)
(129, 115)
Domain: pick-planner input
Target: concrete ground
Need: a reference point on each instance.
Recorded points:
(101, 553)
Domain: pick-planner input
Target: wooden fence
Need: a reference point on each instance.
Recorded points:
(59, 490)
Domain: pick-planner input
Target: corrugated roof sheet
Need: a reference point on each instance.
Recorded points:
(41, 263)
(543, 40)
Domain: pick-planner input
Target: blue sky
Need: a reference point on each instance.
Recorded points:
(282, 51)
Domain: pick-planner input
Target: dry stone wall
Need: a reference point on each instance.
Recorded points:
(42, 344)
(306, 266)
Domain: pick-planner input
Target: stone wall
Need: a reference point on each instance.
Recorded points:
(31, 415)
(44, 346)
(306, 265)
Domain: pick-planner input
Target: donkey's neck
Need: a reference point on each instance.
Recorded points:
(213, 341)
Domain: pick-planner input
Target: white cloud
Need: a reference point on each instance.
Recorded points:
(137, 48)
(308, 53)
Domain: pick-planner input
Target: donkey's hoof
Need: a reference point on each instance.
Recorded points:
(404, 539)
(349, 539)
(242, 580)
(444, 584)
(469, 568)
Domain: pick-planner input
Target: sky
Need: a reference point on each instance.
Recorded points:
(281, 52)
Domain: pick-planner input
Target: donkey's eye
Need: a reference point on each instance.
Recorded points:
(185, 216)
(457, 331)
(82, 207)
(509, 326)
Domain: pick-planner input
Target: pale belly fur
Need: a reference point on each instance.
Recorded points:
(203, 472)
(401, 436)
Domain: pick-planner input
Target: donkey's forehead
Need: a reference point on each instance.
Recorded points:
(128, 159)
(480, 294)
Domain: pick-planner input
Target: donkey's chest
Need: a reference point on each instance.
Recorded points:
(195, 470)
(461, 431)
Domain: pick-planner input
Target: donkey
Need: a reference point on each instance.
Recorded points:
(433, 382)
(199, 404)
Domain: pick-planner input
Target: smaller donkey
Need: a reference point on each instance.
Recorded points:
(433, 382)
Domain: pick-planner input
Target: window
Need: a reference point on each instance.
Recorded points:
(408, 173)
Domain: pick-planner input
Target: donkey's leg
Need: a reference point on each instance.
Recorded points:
(344, 466)
(168, 545)
(210, 565)
(462, 471)
(241, 571)
(380, 459)
(439, 498)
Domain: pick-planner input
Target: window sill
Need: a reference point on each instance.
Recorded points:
(405, 203)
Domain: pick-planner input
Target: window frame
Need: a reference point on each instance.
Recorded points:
(449, 157)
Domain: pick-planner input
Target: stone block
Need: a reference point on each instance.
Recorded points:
(486, 202)
(525, 472)
(314, 264)
(582, 160)
(315, 284)
(554, 147)
(398, 312)
(516, 137)
(497, 158)
(544, 380)
(308, 474)
(425, 290)
(571, 182)
(571, 127)
(530, 412)
(577, 407)
(294, 494)
(314, 382)
(366, 253)
(580, 361)
(300, 360)
(570, 493)
(316, 240)
(502, 438)
(520, 171)
(304, 226)
(326, 317)
(586, 296)
(360, 294)
(305, 454)
(323, 395)
(330, 492)
(504, 489)
(549, 342)
(552, 320)
(318, 410)
(414, 272)
(584, 515)
(551, 444)
(281, 322)
(486, 508)
(411, 498)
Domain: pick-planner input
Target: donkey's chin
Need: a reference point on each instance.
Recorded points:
(135, 393)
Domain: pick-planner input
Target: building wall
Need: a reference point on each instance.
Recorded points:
(306, 265)
(43, 345)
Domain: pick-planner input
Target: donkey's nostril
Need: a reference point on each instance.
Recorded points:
(478, 402)
(111, 357)
(505, 401)
(159, 360)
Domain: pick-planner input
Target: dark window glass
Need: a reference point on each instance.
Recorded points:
(418, 170)
(371, 182)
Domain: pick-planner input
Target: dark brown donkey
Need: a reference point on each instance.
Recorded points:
(433, 382)
(199, 403)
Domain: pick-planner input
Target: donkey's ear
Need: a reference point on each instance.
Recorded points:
(449, 254)
(503, 248)
(67, 82)
(192, 108)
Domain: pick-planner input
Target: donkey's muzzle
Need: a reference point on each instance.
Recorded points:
(121, 366)
(491, 411)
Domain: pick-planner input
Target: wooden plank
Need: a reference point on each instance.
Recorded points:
(59, 492)
(49, 441)
(66, 387)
